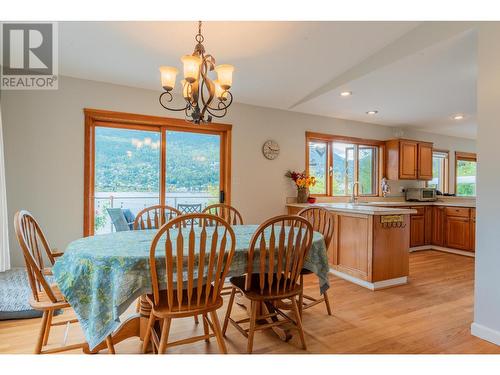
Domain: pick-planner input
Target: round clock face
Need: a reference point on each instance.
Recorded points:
(271, 149)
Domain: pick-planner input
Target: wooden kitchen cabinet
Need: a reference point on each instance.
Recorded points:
(472, 229)
(438, 218)
(458, 226)
(408, 160)
(424, 161)
(417, 230)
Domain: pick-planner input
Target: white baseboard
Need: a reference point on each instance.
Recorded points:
(443, 249)
(372, 286)
(485, 333)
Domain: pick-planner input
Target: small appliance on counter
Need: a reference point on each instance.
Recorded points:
(420, 194)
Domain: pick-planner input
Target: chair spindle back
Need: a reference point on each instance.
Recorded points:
(282, 243)
(155, 216)
(226, 212)
(33, 245)
(203, 259)
(321, 220)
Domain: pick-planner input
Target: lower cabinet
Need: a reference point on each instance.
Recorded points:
(452, 227)
(458, 232)
(417, 230)
(437, 224)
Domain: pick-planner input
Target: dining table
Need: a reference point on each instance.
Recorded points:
(102, 275)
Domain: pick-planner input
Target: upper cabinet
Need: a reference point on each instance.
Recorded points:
(408, 160)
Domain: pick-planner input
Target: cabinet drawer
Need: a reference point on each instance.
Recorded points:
(420, 210)
(457, 211)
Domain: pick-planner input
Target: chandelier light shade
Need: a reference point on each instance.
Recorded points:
(205, 97)
(168, 75)
(225, 75)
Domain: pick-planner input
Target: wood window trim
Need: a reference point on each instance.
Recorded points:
(103, 118)
(466, 156)
(446, 186)
(328, 139)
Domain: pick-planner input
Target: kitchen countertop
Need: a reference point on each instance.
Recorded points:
(464, 203)
(362, 208)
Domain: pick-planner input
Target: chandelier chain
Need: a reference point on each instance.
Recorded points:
(199, 37)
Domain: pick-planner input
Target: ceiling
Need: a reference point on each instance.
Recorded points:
(414, 77)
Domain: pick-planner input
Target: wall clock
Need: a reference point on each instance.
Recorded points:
(270, 149)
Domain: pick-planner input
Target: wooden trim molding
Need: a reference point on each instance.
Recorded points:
(104, 118)
(378, 165)
(342, 138)
(460, 155)
(470, 156)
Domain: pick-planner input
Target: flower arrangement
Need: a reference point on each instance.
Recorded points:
(301, 179)
(303, 182)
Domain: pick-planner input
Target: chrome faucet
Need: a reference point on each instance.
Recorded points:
(354, 197)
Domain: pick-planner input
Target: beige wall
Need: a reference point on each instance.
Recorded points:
(43, 132)
(487, 283)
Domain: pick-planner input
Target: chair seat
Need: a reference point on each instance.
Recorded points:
(255, 294)
(44, 302)
(184, 309)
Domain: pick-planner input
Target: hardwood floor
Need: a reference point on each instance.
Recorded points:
(432, 314)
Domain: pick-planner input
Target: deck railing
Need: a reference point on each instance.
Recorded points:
(103, 222)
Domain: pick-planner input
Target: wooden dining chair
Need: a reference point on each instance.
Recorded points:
(155, 216)
(233, 217)
(226, 212)
(322, 221)
(279, 247)
(46, 296)
(203, 261)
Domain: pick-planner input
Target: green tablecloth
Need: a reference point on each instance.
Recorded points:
(102, 275)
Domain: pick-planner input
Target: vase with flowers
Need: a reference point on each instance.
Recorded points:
(302, 182)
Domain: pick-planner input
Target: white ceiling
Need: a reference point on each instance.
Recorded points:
(279, 64)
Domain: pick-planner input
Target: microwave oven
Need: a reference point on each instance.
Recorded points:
(420, 194)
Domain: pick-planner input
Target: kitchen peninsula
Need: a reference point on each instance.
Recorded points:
(370, 246)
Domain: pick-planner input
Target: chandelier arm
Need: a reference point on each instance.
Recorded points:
(224, 105)
(213, 111)
(206, 82)
(170, 98)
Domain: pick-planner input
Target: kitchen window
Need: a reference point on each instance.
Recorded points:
(440, 171)
(465, 174)
(338, 162)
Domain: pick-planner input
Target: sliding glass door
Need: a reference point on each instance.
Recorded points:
(193, 170)
(130, 167)
(127, 172)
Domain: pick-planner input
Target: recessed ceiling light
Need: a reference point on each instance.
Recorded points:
(458, 117)
(372, 113)
(346, 93)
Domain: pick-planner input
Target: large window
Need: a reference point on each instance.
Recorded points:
(339, 162)
(135, 161)
(465, 174)
(440, 171)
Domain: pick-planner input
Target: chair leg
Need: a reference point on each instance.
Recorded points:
(218, 332)
(109, 344)
(327, 303)
(147, 336)
(298, 319)
(251, 331)
(301, 296)
(164, 335)
(205, 327)
(196, 321)
(47, 329)
(228, 312)
(41, 334)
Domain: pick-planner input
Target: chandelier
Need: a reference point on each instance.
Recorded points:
(205, 98)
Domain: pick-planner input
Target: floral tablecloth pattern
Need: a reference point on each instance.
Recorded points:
(102, 275)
